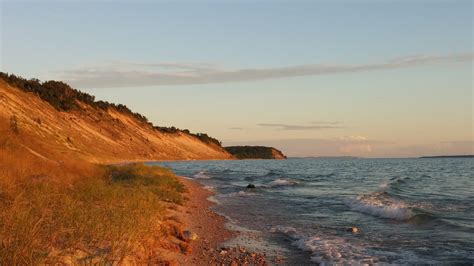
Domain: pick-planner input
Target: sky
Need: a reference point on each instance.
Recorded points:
(313, 78)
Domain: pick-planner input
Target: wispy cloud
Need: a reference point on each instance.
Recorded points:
(297, 127)
(126, 74)
(326, 123)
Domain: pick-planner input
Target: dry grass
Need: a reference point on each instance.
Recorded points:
(50, 209)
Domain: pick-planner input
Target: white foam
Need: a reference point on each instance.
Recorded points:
(382, 208)
(229, 196)
(213, 199)
(283, 182)
(210, 188)
(384, 186)
(288, 230)
(241, 193)
(332, 251)
(201, 175)
(327, 251)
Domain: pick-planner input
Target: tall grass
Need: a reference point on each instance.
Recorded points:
(49, 211)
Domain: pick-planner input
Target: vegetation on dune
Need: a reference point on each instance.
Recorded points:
(160, 181)
(64, 98)
(207, 139)
(61, 96)
(201, 136)
(49, 214)
(255, 152)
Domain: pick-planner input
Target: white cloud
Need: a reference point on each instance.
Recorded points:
(352, 138)
(126, 74)
(361, 149)
(297, 127)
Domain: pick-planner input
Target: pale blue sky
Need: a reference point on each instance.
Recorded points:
(256, 71)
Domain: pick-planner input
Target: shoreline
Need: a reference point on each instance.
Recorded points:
(210, 246)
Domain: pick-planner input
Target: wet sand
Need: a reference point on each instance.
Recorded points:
(210, 246)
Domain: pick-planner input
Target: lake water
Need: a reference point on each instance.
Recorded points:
(406, 210)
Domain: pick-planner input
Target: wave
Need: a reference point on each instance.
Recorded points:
(421, 218)
(327, 250)
(249, 178)
(242, 193)
(210, 188)
(283, 182)
(213, 199)
(380, 204)
(202, 175)
(325, 175)
(287, 230)
(381, 208)
(396, 182)
(272, 173)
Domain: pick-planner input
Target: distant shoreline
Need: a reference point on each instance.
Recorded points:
(447, 156)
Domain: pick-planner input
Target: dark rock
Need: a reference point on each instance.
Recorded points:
(189, 236)
(352, 229)
(250, 186)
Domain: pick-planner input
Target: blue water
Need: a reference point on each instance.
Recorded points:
(407, 210)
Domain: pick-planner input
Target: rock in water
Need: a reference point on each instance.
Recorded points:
(250, 186)
(352, 230)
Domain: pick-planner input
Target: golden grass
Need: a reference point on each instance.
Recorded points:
(50, 209)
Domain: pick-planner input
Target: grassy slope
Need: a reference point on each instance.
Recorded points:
(58, 205)
(75, 211)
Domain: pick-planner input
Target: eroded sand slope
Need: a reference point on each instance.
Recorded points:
(94, 134)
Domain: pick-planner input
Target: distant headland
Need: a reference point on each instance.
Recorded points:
(255, 152)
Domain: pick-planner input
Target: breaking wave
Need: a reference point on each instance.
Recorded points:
(210, 188)
(283, 182)
(327, 250)
(202, 175)
(381, 205)
(384, 209)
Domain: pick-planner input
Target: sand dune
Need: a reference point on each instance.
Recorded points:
(97, 135)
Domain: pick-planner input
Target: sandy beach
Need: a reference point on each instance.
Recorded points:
(209, 248)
